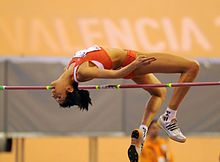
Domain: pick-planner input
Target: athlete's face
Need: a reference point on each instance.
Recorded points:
(59, 91)
(62, 85)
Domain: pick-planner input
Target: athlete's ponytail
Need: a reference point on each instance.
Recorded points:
(78, 97)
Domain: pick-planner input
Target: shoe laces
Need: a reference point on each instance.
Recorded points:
(171, 126)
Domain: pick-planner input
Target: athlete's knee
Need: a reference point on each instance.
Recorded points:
(163, 93)
(195, 66)
(160, 92)
(192, 68)
(158, 97)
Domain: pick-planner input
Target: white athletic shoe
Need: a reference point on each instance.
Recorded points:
(137, 141)
(171, 128)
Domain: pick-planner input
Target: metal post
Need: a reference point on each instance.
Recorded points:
(5, 96)
(93, 149)
(19, 149)
(16, 149)
(5, 142)
(22, 149)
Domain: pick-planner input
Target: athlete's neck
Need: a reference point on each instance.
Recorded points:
(67, 76)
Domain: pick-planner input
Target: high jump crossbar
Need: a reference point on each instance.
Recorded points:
(116, 86)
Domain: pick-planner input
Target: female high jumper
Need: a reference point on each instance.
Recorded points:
(110, 63)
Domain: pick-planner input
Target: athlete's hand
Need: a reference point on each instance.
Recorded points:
(143, 60)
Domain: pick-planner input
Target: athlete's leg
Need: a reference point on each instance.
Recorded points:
(179, 92)
(157, 97)
(188, 69)
(167, 63)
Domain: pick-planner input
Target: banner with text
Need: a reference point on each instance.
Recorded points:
(58, 28)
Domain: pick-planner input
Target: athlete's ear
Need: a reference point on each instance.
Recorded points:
(69, 88)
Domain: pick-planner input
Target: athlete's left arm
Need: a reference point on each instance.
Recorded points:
(94, 72)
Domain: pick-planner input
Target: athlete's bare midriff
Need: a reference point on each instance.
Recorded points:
(117, 56)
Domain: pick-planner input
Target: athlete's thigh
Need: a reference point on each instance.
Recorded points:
(150, 79)
(165, 63)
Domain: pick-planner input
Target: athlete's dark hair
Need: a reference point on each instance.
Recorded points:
(77, 97)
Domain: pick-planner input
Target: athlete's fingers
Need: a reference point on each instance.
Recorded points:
(148, 60)
(144, 60)
(151, 59)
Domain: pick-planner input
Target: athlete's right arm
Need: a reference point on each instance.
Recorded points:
(94, 72)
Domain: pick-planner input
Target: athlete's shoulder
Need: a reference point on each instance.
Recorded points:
(83, 52)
